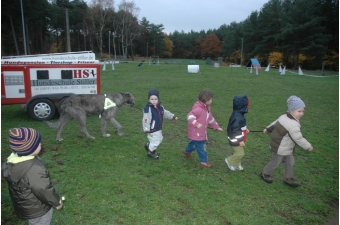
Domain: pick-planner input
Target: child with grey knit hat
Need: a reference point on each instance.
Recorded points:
(285, 134)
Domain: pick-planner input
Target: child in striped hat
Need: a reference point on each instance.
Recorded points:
(30, 187)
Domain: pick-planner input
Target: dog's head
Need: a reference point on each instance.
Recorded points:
(128, 98)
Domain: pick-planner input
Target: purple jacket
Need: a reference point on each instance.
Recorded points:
(200, 114)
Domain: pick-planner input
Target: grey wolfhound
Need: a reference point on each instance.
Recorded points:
(79, 105)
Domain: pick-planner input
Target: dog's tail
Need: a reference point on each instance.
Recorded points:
(53, 125)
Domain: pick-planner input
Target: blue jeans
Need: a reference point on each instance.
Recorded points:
(200, 147)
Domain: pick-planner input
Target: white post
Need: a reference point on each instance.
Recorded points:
(300, 71)
(267, 69)
(283, 71)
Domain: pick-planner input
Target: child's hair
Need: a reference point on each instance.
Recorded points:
(205, 95)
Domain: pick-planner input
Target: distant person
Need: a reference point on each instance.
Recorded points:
(285, 134)
(237, 131)
(153, 114)
(30, 187)
(199, 118)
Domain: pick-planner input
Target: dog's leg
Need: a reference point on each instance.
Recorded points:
(117, 125)
(80, 116)
(104, 128)
(63, 121)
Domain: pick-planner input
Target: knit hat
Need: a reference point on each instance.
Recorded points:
(295, 103)
(24, 141)
(154, 92)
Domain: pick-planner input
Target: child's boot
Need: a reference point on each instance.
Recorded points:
(153, 155)
(291, 182)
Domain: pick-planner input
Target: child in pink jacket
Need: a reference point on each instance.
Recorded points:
(199, 118)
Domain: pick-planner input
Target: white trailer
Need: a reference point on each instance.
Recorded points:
(41, 82)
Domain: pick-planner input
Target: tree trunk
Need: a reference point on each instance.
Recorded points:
(14, 35)
(28, 41)
(41, 41)
(132, 54)
(78, 41)
(68, 43)
(114, 46)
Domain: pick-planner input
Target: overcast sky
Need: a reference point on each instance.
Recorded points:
(195, 15)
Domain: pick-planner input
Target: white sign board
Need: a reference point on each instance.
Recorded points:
(193, 68)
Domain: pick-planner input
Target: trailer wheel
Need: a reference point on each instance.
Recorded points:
(42, 109)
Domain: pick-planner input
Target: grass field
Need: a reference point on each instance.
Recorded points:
(112, 181)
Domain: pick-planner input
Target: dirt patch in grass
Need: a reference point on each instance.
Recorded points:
(335, 220)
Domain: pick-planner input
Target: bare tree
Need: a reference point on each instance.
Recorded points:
(98, 13)
(128, 23)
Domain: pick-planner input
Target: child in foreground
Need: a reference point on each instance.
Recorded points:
(30, 187)
(237, 131)
(199, 118)
(153, 114)
(285, 134)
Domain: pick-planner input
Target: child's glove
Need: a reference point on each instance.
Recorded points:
(61, 203)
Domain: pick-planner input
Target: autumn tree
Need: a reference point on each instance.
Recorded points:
(275, 58)
(235, 57)
(332, 60)
(211, 46)
(168, 45)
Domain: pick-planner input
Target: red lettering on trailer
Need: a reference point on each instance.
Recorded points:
(77, 74)
(86, 73)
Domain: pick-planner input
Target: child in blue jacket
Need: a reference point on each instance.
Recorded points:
(153, 114)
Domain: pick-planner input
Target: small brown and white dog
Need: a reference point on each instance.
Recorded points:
(79, 105)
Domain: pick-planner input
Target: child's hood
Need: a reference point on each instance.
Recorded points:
(156, 93)
(241, 103)
(16, 166)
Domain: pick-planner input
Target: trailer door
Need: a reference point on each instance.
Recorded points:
(14, 85)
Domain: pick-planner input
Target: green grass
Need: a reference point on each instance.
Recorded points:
(112, 181)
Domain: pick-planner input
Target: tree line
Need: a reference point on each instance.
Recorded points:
(287, 32)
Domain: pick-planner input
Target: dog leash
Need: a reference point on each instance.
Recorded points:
(252, 131)
(136, 107)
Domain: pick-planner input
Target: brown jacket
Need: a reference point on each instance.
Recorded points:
(285, 134)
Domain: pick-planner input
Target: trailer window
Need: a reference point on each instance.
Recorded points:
(42, 75)
(66, 74)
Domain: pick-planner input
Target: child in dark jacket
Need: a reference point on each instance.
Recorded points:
(237, 131)
(32, 193)
(153, 114)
